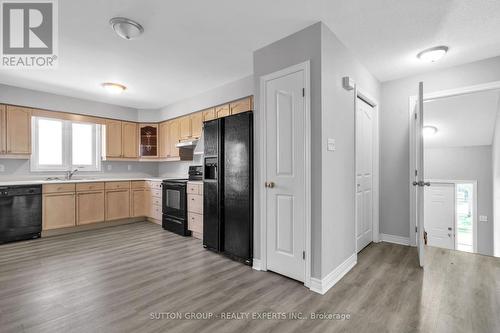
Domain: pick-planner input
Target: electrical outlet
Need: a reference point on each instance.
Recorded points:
(331, 145)
(2, 168)
(109, 167)
(129, 167)
(483, 218)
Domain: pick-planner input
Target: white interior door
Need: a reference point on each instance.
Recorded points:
(285, 173)
(364, 173)
(439, 215)
(419, 183)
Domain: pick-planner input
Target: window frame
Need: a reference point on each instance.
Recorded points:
(67, 147)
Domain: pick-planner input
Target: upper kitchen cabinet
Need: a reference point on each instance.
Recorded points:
(242, 105)
(15, 122)
(129, 140)
(174, 137)
(148, 140)
(196, 124)
(113, 138)
(208, 114)
(185, 127)
(164, 139)
(222, 111)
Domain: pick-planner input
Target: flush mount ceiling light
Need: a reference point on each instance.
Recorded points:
(433, 54)
(126, 28)
(114, 88)
(429, 131)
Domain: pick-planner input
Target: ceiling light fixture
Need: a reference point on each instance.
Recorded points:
(114, 88)
(126, 28)
(433, 54)
(429, 131)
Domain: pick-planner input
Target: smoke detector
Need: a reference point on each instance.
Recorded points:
(126, 28)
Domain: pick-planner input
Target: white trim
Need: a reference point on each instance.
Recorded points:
(360, 93)
(257, 264)
(412, 100)
(395, 239)
(304, 66)
(321, 286)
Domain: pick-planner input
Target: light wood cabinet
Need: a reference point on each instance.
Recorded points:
(113, 138)
(242, 105)
(184, 127)
(195, 208)
(117, 204)
(222, 111)
(3, 130)
(18, 130)
(208, 114)
(58, 210)
(130, 142)
(89, 207)
(164, 143)
(139, 202)
(174, 137)
(196, 124)
(148, 140)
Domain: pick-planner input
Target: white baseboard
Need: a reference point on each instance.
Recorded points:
(257, 264)
(321, 286)
(395, 239)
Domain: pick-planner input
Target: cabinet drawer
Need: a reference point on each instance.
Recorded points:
(117, 185)
(195, 222)
(155, 201)
(58, 188)
(156, 193)
(138, 184)
(153, 185)
(193, 188)
(156, 212)
(195, 203)
(89, 187)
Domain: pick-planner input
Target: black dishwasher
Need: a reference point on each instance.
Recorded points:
(20, 212)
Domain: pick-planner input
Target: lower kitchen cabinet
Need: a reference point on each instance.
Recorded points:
(139, 202)
(195, 208)
(58, 210)
(89, 207)
(117, 203)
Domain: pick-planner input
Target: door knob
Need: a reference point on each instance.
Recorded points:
(449, 228)
(269, 184)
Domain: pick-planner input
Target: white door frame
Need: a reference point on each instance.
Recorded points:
(411, 106)
(305, 66)
(360, 93)
(474, 204)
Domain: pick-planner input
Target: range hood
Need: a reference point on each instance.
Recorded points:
(190, 144)
(200, 147)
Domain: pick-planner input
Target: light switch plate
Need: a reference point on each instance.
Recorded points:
(331, 145)
(483, 218)
(2, 168)
(129, 167)
(109, 167)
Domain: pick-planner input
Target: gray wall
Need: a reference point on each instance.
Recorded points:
(338, 167)
(53, 102)
(394, 135)
(496, 185)
(467, 163)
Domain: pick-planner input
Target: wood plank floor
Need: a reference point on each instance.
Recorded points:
(115, 279)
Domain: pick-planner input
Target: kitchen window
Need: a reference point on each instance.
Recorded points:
(60, 145)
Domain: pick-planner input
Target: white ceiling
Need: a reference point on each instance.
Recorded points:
(192, 46)
(462, 121)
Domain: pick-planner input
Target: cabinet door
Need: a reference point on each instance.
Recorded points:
(209, 114)
(185, 127)
(174, 138)
(130, 144)
(222, 111)
(18, 122)
(113, 138)
(3, 137)
(165, 139)
(196, 124)
(117, 203)
(242, 105)
(139, 202)
(58, 210)
(89, 207)
(148, 140)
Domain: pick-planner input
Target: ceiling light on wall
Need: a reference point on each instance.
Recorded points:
(114, 88)
(433, 54)
(126, 28)
(429, 131)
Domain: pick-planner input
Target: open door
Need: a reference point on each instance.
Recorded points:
(419, 180)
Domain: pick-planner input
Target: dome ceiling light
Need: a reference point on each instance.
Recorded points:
(126, 28)
(433, 54)
(114, 88)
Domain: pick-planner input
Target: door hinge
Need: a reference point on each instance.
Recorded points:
(416, 229)
(303, 255)
(303, 92)
(416, 115)
(416, 173)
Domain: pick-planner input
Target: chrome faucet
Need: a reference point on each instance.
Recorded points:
(69, 174)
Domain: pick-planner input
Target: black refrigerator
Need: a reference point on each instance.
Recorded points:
(228, 186)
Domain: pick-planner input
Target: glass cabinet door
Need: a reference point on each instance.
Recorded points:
(149, 140)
